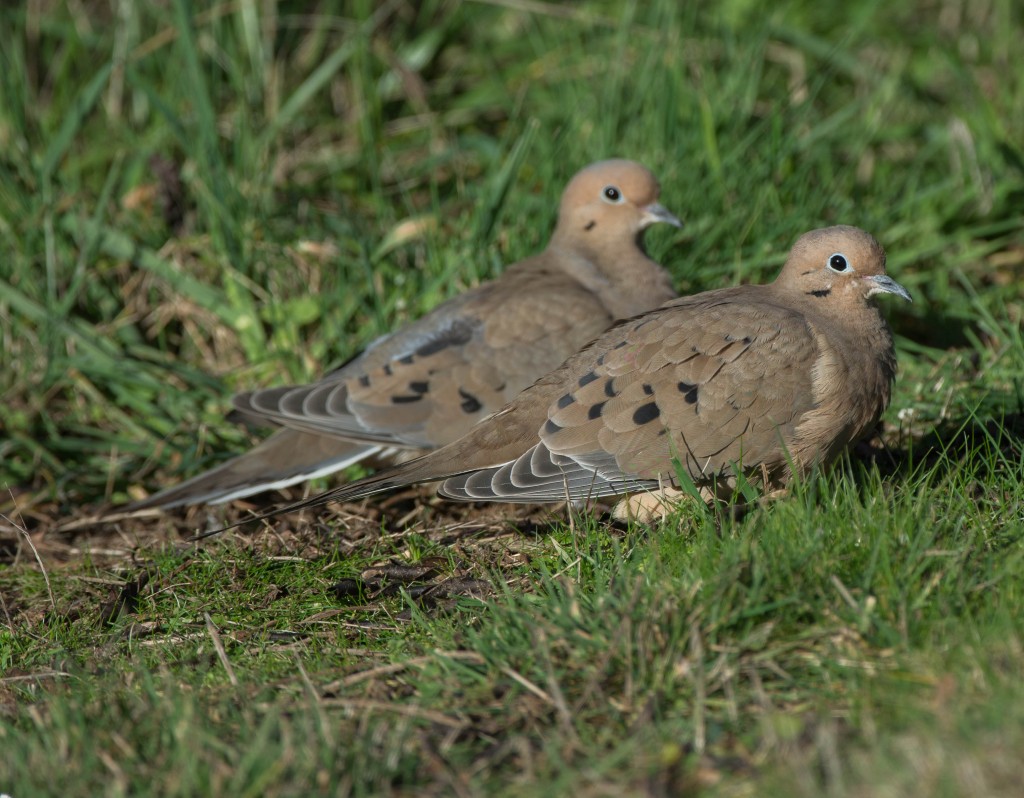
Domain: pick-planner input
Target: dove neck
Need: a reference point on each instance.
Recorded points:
(857, 362)
(620, 274)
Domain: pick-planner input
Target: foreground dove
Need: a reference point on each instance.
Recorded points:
(770, 380)
(429, 383)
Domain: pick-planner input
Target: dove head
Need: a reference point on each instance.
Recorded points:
(609, 201)
(838, 264)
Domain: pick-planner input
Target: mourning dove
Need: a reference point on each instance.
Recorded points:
(430, 382)
(768, 380)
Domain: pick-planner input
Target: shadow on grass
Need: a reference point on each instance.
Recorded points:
(986, 446)
(933, 328)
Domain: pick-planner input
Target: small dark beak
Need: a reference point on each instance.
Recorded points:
(884, 284)
(656, 212)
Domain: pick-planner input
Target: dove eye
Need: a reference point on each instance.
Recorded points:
(837, 263)
(611, 194)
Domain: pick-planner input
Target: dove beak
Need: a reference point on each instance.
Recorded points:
(883, 284)
(656, 212)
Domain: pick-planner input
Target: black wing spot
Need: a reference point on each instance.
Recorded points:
(551, 428)
(565, 401)
(404, 399)
(364, 380)
(432, 348)
(458, 334)
(821, 293)
(419, 386)
(748, 340)
(648, 389)
(689, 392)
(646, 413)
(470, 404)
(595, 411)
(387, 369)
(620, 344)
(407, 359)
(590, 225)
(609, 389)
(587, 378)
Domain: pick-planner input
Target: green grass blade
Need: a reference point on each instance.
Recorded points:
(74, 119)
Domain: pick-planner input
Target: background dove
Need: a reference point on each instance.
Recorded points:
(430, 382)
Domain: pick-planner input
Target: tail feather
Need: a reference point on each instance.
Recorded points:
(413, 472)
(286, 458)
(428, 468)
(492, 443)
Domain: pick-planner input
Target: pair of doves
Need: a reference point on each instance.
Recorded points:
(524, 391)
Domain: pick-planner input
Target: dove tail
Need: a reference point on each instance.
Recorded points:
(413, 472)
(286, 458)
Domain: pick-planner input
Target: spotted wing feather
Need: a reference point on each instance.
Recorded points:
(709, 385)
(438, 377)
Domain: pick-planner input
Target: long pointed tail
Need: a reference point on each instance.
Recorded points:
(413, 472)
(286, 458)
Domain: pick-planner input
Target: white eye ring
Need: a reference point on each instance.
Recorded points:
(612, 194)
(839, 263)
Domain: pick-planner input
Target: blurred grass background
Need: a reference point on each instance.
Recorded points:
(197, 198)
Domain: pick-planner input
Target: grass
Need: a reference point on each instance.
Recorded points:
(198, 199)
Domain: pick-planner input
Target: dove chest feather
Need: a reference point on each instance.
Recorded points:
(851, 380)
